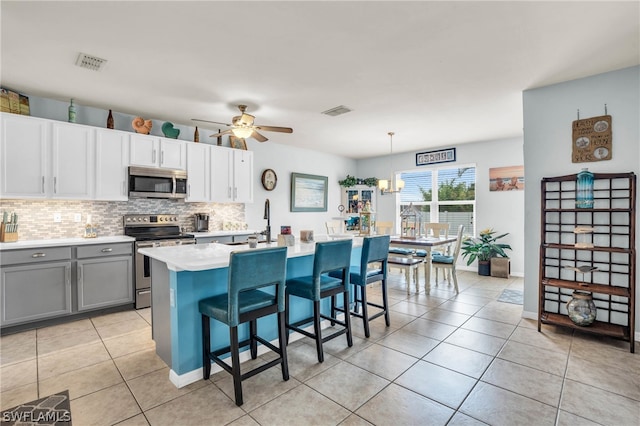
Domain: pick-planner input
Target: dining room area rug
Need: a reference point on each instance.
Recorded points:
(511, 296)
(51, 410)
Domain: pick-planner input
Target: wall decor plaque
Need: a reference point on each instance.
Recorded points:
(591, 139)
(436, 157)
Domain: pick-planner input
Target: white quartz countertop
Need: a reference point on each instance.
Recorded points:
(63, 242)
(223, 233)
(200, 257)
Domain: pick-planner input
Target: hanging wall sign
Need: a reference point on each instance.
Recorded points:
(435, 157)
(591, 139)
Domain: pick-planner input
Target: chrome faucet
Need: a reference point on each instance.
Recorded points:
(267, 216)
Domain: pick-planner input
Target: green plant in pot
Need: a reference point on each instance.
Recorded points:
(483, 249)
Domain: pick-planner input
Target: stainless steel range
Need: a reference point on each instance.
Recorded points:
(156, 230)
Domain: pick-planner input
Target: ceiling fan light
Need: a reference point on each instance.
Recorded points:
(242, 132)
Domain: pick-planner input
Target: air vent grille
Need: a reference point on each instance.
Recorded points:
(90, 62)
(339, 110)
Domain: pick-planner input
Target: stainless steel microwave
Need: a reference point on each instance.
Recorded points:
(151, 182)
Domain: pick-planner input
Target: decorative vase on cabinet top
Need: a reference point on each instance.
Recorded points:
(72, 112)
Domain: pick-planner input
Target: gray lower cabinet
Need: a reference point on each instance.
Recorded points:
(35, 292)
(39, 284)
(104, 275)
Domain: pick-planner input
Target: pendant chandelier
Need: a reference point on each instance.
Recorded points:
(393, 184)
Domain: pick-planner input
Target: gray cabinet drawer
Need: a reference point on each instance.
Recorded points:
(46, 254)
(99, 250)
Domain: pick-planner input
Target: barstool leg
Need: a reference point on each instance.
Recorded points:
(365, 312)
(235, 364)
(333, 310)
(347, 318)
(385, 302)
(287, 321)
(253, 344)
(206, 347)
(316, 330)
(282, 340)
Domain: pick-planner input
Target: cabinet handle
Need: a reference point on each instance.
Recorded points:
(67, 274)
(107, 250)
(189, 190)
(80, 273)
(235, 192)
(55, 185)
(43, 184)
(229, 193)
(153, 158)
(144, 292)
(161, 158)
(36, 255)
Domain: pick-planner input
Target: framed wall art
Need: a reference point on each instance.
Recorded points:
(435, 157)
(506, 178)
(237, 143)
(308, 193)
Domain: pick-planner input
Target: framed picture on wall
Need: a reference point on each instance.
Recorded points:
(308, 193)
(237, 143)
(506, 178)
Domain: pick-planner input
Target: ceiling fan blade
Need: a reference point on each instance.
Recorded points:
(257, 136)
(275, 129)
(214, 122)
(226, 132)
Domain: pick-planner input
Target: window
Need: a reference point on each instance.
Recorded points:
(454, 201)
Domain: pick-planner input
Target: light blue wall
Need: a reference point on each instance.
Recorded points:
(548, 115)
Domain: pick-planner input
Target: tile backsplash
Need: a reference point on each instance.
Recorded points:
(36, 216)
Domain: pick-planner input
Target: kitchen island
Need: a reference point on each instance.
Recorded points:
(183, 275)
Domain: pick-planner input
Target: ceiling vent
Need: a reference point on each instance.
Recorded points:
(89, 62)
(339, 110)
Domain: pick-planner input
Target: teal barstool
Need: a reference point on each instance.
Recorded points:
(250, 272)
(329, 256)
(374, 251)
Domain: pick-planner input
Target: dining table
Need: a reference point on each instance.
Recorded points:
(424, 243)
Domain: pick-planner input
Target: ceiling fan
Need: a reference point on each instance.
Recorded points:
(243, 127)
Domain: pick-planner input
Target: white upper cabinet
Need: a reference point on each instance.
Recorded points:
(153, 151)
(231, 175)
(112, 160)
(72, 161)
(24, 153)
(198, 172)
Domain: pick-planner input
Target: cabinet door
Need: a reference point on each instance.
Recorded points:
(198, 180)
(112, 159)
(23, 149)
(242, 176)
(34, 292)
(173, 154)
(144, 150)
(221, 180)
(72, 161)
(105, 282)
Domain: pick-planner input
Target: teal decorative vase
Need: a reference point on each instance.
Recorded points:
(169, 131)
(72, 112)
(584, 190)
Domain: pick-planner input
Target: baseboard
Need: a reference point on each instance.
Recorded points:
(182, 380)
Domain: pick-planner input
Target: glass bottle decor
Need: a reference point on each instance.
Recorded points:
(72, 112)
(110, 120)
(584, 190)
(581, 309)
(196, 135)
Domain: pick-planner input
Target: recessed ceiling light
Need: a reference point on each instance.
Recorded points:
(339, 110)
(90, 62)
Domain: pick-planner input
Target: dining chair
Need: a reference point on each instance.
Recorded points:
(250, 273)
(437, 230)
(384, 228)
(329, 256)
(372, 268)
(448, 263)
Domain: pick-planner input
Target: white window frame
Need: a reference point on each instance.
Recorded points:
(434, 204)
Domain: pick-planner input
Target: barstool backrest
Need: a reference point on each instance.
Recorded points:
(330, 256)
(374, 249)
(252, 269)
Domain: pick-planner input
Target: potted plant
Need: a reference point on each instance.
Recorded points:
(483, 249)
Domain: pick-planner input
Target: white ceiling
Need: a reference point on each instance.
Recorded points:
(436, 73)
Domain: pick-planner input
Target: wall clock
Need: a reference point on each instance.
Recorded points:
(269, 179)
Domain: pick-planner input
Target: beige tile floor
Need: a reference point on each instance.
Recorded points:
(446, 359)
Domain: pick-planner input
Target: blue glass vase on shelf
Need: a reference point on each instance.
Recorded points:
(584, 190)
